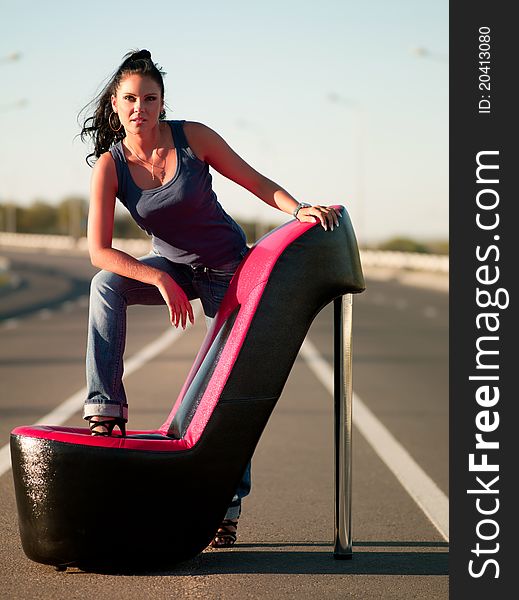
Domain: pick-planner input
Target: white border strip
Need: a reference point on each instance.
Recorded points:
(433, 502)
(74, 404)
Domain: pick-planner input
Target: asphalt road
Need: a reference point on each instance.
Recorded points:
(285, 542)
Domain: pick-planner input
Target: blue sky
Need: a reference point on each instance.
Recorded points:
(261, 74)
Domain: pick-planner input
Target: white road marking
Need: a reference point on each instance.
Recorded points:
(401, 304)
(433, 502)
(74, 404)
(45, 313)
(10, 323)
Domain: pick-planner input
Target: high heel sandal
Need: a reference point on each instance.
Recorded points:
(226, 534)
(106, 426)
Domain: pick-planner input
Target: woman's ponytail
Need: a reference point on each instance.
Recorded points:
(101, 126)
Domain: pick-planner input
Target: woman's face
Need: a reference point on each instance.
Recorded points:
(138, 103)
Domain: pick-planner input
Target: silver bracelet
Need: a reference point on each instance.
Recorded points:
(299, 206)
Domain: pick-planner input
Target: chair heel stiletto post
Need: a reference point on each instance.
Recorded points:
(104, 427)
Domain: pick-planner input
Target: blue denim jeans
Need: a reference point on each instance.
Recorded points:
(110, 294)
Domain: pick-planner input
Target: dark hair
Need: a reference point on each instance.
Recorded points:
(97, 126)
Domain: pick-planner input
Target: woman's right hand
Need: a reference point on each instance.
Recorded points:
(179, 307)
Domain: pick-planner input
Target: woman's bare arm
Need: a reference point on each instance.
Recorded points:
(104, 256)
(213, 149)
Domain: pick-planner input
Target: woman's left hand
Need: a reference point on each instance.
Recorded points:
(328, 216)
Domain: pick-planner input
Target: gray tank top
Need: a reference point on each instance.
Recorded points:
(183, 216)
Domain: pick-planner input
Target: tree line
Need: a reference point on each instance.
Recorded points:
(69, 217)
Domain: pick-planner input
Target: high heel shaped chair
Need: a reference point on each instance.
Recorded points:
(154, 498)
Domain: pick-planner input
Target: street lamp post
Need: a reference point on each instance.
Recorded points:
(422, 52)
(260, 224)
(13, 105)
(10, 209)
(359, 134)
(11, 57)
(10, 218)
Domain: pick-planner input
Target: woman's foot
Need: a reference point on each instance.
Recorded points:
(226, 534)
(104, 426)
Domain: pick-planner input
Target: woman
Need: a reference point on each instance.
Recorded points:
(160, 171)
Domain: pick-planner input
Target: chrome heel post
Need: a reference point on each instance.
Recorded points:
(343, 397)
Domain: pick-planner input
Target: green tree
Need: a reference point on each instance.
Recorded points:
(403, 244)
(39, 217)
(126, 227)
(72, 214)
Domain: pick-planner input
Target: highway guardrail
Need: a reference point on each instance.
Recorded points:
(415, 261)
